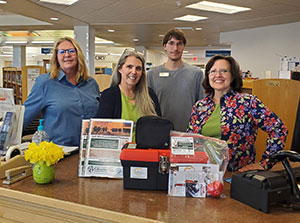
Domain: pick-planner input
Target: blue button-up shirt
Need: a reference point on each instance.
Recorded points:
(63, 106)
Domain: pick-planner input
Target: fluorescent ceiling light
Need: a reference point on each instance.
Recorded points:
(198, 28)
(115, 54)
(54, 18)
(101, 54)
(104, 42)
(190, 18)
(217, 7)
(136, 40)
(184, 28)
(161, 35)
(62, 2)
(111, 30)
(3, 2)
(42, 42)
(15, 42)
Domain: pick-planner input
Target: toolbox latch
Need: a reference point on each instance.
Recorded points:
(164, 164)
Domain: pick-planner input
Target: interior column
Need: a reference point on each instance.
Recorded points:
(85, 36)
(19, 56)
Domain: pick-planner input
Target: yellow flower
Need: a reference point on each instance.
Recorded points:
(47, 152)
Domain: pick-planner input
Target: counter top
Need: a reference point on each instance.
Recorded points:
(108, 194)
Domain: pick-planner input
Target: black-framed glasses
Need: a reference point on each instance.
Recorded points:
(221, 71)
(63, 51)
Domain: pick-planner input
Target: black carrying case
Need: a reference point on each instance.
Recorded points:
(260, 189)
(153, 132)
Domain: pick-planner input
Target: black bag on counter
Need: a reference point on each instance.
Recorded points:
(153, 132)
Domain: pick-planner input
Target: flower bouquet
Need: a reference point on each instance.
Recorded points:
(43, 156)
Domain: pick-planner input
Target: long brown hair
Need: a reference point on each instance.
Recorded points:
(144, 103)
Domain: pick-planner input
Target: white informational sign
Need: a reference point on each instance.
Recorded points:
(101, 147)
(32, 74)
(138, 172)
(285, 74)
(182, 145)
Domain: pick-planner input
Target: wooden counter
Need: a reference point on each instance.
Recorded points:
(72, 199)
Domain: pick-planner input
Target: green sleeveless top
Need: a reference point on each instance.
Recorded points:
(129, 112)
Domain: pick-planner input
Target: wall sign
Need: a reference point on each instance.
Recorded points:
(45, 50)
(211, 53)
(100, 57)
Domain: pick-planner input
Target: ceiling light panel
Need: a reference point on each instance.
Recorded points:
(42, 42)
(61, 2)
(217, 7)
(184, 28)
(190, 18)
(15, 42)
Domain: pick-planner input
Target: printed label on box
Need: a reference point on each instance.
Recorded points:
(182, 145)
(139, 172)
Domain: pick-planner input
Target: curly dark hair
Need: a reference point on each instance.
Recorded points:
(235, 71)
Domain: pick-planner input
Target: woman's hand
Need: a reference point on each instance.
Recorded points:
(254, 166)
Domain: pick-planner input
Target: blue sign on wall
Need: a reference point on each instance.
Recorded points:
(211, 53)
(46, 50)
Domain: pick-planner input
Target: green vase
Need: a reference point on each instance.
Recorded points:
(43, 174)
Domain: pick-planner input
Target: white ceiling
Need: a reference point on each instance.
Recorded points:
(146, 20)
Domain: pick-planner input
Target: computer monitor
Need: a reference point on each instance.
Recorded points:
(296, 136)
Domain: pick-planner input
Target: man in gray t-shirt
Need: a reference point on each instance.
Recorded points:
(176, 84)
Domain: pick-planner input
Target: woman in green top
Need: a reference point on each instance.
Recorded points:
(129, 97)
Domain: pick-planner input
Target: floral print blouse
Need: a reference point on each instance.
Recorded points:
(241, 116)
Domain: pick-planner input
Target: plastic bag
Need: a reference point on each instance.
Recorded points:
(198, 164)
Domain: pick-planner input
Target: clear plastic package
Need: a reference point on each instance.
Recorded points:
(198, 164)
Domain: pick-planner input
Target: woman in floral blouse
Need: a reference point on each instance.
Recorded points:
(235, 117)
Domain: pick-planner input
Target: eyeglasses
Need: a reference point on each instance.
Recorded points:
(63, 51)
(222, 71)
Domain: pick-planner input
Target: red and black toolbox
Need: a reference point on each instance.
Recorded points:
(146, 164)
(146, 169)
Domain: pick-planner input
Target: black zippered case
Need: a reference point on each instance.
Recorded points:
(153, 132)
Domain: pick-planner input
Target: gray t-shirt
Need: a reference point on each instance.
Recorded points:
(177, 92)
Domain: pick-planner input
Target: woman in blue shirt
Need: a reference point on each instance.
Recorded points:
(65, 96)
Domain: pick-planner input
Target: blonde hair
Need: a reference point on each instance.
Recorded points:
(82, 70)
(144, 103)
